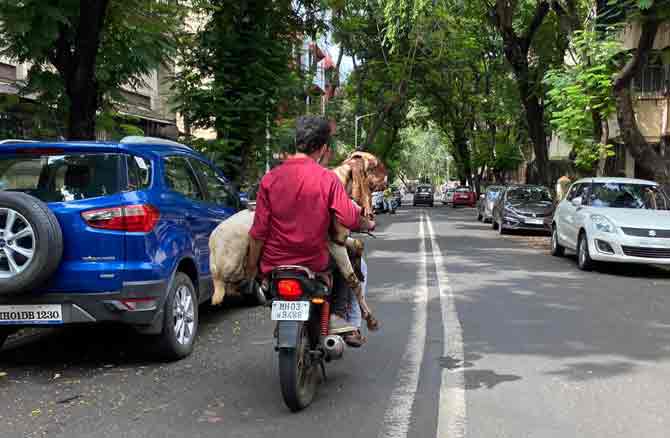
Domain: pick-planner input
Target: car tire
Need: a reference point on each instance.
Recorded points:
(494, 224)
(46, 240)
(557, 250)
(4, 334)
(177, 341)
(584, 260)
(480, 218)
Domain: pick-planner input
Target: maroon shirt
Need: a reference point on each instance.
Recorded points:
(294, 206)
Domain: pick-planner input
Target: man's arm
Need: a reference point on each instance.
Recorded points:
(254, 256)
(259, 232)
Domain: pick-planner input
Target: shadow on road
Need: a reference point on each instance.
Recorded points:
(513, 300)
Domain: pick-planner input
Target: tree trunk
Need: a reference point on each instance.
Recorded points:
(650, 160)
(516, 48)
(77, 68)
(604, 140)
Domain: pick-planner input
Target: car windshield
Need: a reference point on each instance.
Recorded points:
(529, 194)
(493, 193)
(424, 189)
(463, 190)
(626, 195)
(57, 178)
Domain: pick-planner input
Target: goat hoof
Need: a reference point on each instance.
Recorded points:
(373, 323)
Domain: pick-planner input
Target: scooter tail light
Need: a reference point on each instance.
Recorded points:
(289, 289)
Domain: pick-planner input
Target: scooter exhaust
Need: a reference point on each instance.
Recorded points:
(334, 347)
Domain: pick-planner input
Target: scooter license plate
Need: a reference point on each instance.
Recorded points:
(290, 310)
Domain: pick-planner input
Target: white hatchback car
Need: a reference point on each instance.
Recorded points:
(613, 220)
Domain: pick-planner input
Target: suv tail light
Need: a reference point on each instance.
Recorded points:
(133, 218)
(290, 290)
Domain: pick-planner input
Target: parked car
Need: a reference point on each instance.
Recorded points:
(448, 196)
(613, 220)
(397, 196)
(523, 207)
(378, 202)
(464, 196)
(487, 201)
(109, 232)
(423, 195)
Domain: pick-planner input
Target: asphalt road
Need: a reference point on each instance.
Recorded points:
(483, 336)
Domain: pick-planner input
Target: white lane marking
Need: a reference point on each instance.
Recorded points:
(452, 419)
(398, 413)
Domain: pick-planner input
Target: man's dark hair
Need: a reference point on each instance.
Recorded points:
(311, 132)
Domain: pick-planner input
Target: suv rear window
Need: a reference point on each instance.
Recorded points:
(57, 178)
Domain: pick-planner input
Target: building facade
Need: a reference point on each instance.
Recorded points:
(146, 107)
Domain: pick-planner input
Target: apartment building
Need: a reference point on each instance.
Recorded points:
(651, 87)
(147, 106)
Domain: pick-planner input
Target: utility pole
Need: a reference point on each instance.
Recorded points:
(356, 127)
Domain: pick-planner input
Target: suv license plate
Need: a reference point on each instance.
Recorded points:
(31, 314)
(290, 310)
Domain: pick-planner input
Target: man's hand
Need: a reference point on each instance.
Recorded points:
(366, 224)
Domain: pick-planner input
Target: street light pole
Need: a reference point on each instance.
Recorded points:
(356, 127)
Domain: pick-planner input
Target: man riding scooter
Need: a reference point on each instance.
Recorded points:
(294, 205)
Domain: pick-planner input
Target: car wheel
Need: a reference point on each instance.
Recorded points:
(479, 216)
(31, 243)
(557, 250)
(181, 320)
(4, 334)
(494, 224)
(584, 260)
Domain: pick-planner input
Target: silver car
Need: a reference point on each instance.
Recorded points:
(613, 220)
(486, 202)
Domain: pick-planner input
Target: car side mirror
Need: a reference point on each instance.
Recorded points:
(577, 202)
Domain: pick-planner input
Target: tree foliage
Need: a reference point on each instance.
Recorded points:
(82, 51)
(581, 97)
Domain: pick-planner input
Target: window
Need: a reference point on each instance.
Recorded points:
(219, 190)
(139, 172)
(64, 177)
(575, 191)
(624, 195)
(529, 194)
(180, 178)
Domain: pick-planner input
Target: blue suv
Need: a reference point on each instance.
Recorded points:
(109, 232)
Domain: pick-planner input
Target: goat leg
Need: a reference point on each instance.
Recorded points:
(341, 256)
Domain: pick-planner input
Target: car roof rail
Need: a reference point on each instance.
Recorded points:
(13, 140)
(151, 140)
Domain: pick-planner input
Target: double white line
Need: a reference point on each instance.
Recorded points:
(452, 415)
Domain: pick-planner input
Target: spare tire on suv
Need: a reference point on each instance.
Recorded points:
(31, 243)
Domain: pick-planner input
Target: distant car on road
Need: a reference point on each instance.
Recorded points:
(448, 196)
(523, 207)
(613, 220)
(378, 202)
(424, 195)
(112, 232)
(486, 202)
(464, 196)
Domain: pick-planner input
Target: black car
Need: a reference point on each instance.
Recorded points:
(423, 195)
(523, 207)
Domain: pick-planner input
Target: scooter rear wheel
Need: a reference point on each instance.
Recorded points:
(298, 373)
